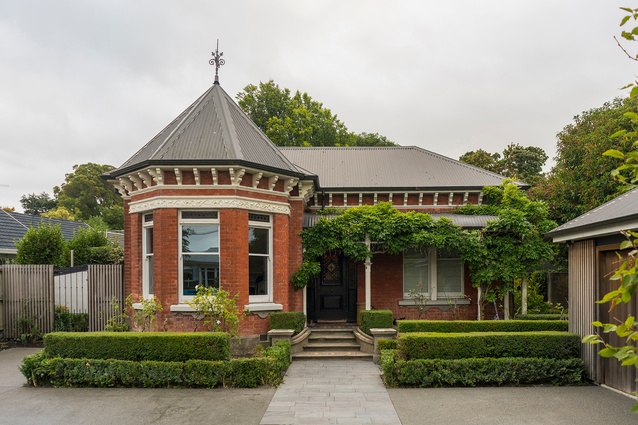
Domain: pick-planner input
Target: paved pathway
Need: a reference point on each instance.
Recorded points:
(331, 392)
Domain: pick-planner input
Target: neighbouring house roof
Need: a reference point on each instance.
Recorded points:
(621, 213)
(212, 131)
(465, 221)
(387, 168)
(14, 225)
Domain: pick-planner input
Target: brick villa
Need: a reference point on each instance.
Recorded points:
(211, 200)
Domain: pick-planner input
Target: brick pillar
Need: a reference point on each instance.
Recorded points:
(233, 253)
(295, 256)
(165, 253)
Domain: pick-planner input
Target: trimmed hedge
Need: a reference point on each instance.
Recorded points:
(371, 319)
(386, 344)
(553, 345)
(481, 325)
(74, 372)
(288, 320)
(139, 346)
(481, 371)
(541, 317)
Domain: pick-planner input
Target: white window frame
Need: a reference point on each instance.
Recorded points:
(269, 275)
(184, 299)
(147, 263)
(432, 287)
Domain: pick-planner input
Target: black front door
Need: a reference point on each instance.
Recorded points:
(333, 296)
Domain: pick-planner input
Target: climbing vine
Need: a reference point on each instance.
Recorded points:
(510, 247)
(389, 229)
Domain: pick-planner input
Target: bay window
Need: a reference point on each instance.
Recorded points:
(259, 258)
(199, 251)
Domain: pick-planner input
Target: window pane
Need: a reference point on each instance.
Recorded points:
(449, 274)
(150, 274)
(258, 240)
(200, 270)
(258, 275)
(415, 271)
(200, 238)
(149, 240)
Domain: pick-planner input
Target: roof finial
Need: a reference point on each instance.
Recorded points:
(217, 61)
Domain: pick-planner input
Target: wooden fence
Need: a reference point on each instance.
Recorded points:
(29, 294)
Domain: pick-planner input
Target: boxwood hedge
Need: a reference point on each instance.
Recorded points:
(268, 369)
(555, 345)
(139, 346)
(295, 320)
(481, 325)
(480, 371)
(541, 317)
(371, 319)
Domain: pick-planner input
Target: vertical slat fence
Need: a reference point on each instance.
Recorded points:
(582, 297)
(28, 299)
(106, 285)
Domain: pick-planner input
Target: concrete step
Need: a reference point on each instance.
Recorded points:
(310, 355)
(331, 338)
(332, 346)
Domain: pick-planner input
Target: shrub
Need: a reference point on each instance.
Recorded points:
(63, 321)
(371, 319)
(288, 320)
(138, 346)
(44, 244)
(82, 372)
(555, 345)
(386, 344)
(481, 325)
(541, 317)
(481, 371)
(387, 361)
(217, 308)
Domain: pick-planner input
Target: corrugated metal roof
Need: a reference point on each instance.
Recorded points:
(14, 225)
(465, 221)
(620, 209)
(213, 130)
(407, 167)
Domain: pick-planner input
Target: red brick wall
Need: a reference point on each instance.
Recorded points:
(387, 290)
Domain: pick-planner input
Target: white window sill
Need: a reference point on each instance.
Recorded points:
(263, 309)
(182, 308)
(435, 303)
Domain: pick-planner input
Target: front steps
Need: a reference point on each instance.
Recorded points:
(328, 343)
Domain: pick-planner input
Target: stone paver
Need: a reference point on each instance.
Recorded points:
(331, 392)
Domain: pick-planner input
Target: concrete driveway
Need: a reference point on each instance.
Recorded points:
(472, 406)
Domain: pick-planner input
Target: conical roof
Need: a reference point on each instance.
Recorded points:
(212, 131)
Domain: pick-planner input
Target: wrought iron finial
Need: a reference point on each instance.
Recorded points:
(217, 61)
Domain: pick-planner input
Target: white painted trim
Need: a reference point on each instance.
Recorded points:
(182, 308)
(209, 202)
(435, 303)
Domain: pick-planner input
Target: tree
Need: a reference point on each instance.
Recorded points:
(91, 246)
(60, 213)
(523, 163)
(299, 120)
(517, 162)
(85, 194)
(44, 244)
(482, 159)
(627, 273)
(580, 179)
(37, 204)
(511, 247)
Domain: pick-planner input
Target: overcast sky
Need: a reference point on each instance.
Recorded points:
(88, 81)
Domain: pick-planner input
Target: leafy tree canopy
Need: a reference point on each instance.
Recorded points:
(91, 246)
(85, 194)
(580, 179)
(37, 204)
(299, 120)
(517, 162)
(44, 244)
